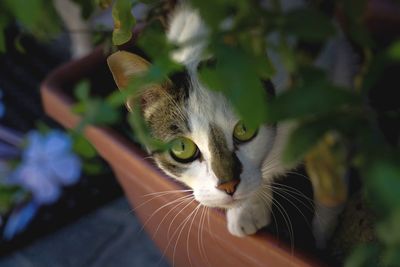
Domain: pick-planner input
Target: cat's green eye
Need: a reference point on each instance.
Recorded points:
(183, 150)
(243, 133)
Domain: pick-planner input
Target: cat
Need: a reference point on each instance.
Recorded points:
(227, 164)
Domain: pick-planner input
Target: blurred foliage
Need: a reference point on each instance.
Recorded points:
(318, 107)
(123, 21)
(7, 196)
(38, 17)
(93, 109)
(326, 167)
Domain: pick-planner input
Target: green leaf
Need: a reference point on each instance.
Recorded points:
(363, 256)
(38, 16)
(3, 25)
(214, 17)
(162, 64)
(306, 135)
(82, 147)
(103, 112)
(388, 230)
(254, 46)
(236, 77)
(308, 24)
(264, 67)
(92, 168)
(355, 9)
(391, 255)
(287, 55)
(221, 9)
(394, 50)
(123, 21)
(26, 12)
(310, 100)
(118, 98)
(383, 182)
(142, 132)
(7, 196)
(375, 70)
(82, 90)
(95, 111)
(87, 7)
(42, 127)
(2, 42)
(355, 13)
(303, 138)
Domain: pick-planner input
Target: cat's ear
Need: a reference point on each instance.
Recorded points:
(125, 66)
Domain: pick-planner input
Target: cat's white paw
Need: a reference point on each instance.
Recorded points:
(247, 219)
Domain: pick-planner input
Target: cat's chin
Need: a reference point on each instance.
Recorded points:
(227, 202)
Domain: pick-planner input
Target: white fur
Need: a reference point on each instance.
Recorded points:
(249, 207)
(189, 32)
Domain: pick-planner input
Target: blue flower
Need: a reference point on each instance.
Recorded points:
(2, 107)
(47, 164)
(19, 220)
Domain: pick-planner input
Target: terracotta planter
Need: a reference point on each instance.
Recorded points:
(196, 242)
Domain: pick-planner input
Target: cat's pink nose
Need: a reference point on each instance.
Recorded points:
(229, 187)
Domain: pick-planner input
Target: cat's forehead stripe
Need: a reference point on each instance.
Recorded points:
(224, 162)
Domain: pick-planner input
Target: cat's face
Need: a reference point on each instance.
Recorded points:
(213, 151)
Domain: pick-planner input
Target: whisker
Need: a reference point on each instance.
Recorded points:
(295, 191)
(170, 225)
(170, 239)
(286, 218)
(181, 227)
(171, 210)
(202, 249)
(169, 192)
(190, 229)
(288, 223)
(282, 191)
(162, 207)
(269, 200)
(299, 174)
(159, 194)
(295, 206)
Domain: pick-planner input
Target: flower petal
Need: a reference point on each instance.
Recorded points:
(66, 169)
(56, 143)
(19, 220)
(2, 110)
(34, 150)
(47, 193)
(38, 179)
